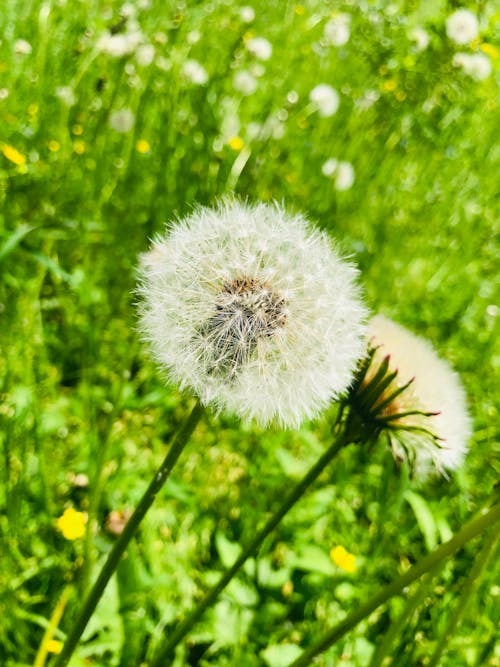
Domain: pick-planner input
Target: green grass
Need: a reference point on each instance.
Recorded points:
(79, 395)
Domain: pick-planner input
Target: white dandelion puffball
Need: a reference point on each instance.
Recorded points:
(462, 26)
(122, 120)
(421, 38)
(260, 47)
(475, 65)
(195, 72)
(337, 30)
(435, 388)
(325, 99)
(253, 310)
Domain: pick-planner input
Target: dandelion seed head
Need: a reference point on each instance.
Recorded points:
(122, 120)
(462, 26)
(325, 99)
(260, 47)
(475, 65)
(434, 393)
(253, 310)
(420, 37)
(195, 72)
(337, 30)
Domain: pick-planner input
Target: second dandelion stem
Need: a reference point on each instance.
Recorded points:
(166, 650)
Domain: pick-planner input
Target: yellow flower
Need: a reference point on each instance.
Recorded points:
(389, 85)
(343, 559)
(54, 646)
(79, 147)
(142, 146)
(13, 155)
(72, 523)
(236, 143)
(490, 50)
(54, 146)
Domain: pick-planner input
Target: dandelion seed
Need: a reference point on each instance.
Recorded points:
(252, 310)
(462, 26)
(325, 99)
(412, 396)
(337, 31)
(475, 65)
(72, 523)
(195, 72)
(260, 47)
(122, 121)
(13, 155)
(343, 559)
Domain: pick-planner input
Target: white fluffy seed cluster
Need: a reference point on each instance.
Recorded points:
(436, 388)
(253, 310)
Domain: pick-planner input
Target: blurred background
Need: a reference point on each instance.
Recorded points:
(380, 121)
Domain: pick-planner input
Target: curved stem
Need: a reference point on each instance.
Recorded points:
(471, 529)
(94, 595)
(165, 651)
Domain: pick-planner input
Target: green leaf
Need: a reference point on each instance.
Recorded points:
(280, 655)
(13, 240)
(228, 551)
(425, 518)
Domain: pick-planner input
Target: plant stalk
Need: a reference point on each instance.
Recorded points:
(471, 529)
(109, 567)
(165, 651)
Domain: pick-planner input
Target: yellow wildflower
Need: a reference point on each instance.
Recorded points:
(343, 559)
(236, 143)
(490, 50)
(300, 10)
(54, 146)
(79, 147)
(389, 85)
(77, 129)
(72, 523)
(54, 646)
(142, 146)
(13, 155)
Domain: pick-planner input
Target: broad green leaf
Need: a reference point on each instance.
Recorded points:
(425, 518)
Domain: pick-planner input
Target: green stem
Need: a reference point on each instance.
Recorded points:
(109, 567)
(165, 651)
(470, 585)
(399, 623)
(469, 531)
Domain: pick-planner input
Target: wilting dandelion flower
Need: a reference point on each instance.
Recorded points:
(253, 310)
(325, 99)
(407, 392)
(260, 47)
(337, 30)
(475, 65)
(195, 72)
(462, 26)
(122, 120)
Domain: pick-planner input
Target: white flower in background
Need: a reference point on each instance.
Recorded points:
(195, 72)
(325, 99)
(119, 44)
(122, 121)
(415, 398)
(476, 65)
(260, 47)
(4, 93)
(462, 26)
(337, 30)
(23, 47)
(247, 14)
(420, 37)
(145, 54)
(66, 94)
(342, 173)
(253, 310)
(244, 82)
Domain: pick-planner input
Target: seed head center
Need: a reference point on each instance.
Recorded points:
(246, 310)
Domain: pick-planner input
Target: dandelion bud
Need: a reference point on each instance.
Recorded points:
(405, 391)
(252, 310)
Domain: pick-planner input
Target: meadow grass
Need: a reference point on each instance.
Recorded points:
(99, 151)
